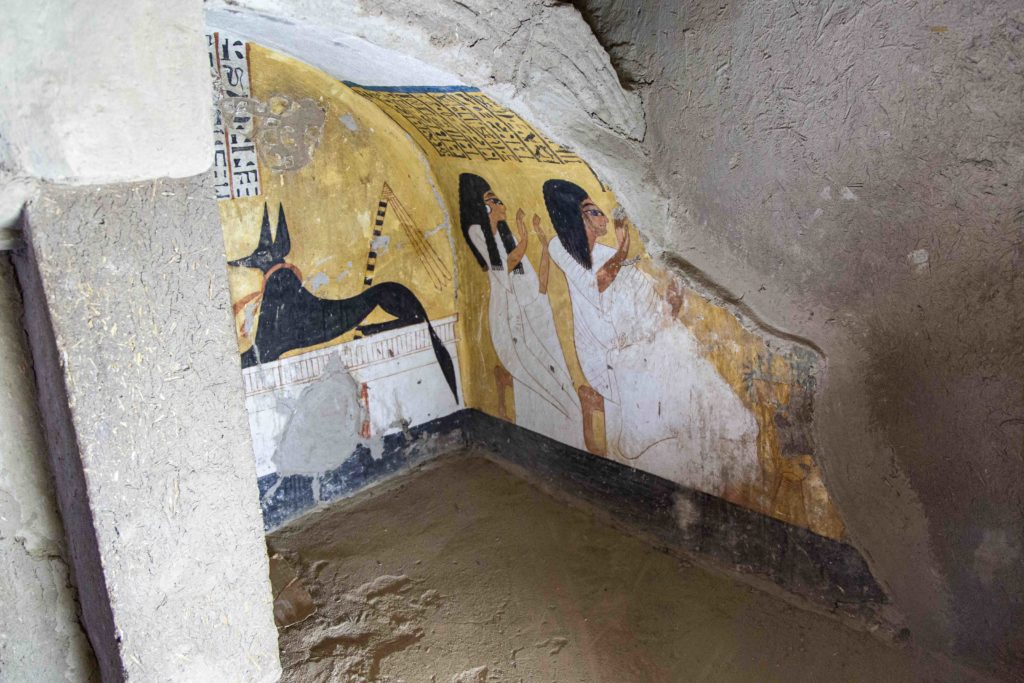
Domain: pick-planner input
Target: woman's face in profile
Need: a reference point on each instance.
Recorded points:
(594, 220)
(495, 208)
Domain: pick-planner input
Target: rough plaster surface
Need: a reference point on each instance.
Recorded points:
(360, 60)
(850, 174)
(105, 92)
(864, 164)
(323, 424)
(164, 496)
(40, 636)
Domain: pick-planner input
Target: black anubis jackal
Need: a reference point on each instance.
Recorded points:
(292, 317)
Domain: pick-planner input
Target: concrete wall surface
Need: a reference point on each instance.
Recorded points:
(40, 636)
(148, 444)
(104, 92)
(850, 175)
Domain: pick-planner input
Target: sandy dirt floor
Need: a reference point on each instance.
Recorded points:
(463, 572)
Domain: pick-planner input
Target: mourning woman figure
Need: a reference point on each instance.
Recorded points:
(667, 409)
(522, 328)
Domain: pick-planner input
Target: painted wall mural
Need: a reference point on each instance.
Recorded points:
(532, 367)
(235, 170)
(432, 252)
(341, 277)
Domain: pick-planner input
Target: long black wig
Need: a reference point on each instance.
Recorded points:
(563, 200)
(473, 211)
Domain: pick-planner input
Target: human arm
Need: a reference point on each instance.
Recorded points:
(519, 252)
(545, 256)
(674, 297)
(608, 272)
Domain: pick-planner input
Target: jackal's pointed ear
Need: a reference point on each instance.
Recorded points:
(265, 239)
(282, 242)
(263, 248)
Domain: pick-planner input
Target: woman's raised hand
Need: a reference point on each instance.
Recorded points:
(545, 255)
(674, 297)
(539, 232)
(621, 230)
(521, 225)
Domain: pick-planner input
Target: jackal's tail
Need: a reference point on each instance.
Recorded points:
(401, 302)
(444, 359)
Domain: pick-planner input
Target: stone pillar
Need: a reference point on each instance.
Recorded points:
(40, 636)
(128, 315)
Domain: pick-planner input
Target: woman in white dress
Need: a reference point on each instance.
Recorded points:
(667, 409)
(522, 327)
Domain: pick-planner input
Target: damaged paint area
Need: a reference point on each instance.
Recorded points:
(318, 434)
(285, 131)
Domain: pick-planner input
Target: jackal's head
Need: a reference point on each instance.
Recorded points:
(268, 253)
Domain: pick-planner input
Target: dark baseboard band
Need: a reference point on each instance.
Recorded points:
(285, 498)
(681, 520)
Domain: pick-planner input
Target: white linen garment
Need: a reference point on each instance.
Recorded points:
(667, 409)
(524, 336)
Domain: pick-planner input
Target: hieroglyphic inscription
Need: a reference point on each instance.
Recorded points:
(469, 125)
(234, 162)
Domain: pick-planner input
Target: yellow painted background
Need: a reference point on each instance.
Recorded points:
(330, 206)
(331, 203)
